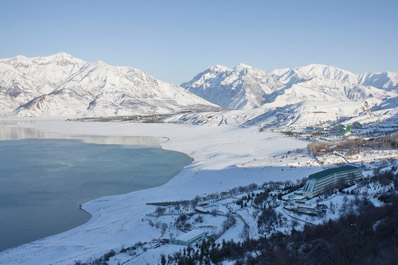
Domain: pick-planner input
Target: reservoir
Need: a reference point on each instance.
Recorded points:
(45, 178)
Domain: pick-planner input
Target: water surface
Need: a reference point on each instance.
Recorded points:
(43, 181)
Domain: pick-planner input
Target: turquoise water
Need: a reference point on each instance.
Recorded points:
(43, 182)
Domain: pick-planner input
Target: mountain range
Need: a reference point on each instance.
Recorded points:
(61, 85)
(64, 86)
(301, 96)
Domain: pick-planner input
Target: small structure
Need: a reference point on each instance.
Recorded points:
(322, 181)
(357, 125)
(191, 238)
(303, 209)
(340, 128)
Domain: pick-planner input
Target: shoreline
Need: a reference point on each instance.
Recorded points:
(20, 134)
(115, 220)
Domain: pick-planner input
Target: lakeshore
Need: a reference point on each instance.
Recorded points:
(218, 153)
(44, 181)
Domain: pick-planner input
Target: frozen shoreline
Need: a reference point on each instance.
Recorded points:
(116, 220)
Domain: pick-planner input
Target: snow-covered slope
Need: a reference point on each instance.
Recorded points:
(385, 80)
(23, 79)
(300, 96)
(61, 85)
(243, 87)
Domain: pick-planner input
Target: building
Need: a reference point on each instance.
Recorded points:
(322, 181)
(191, 238)
(357, 125)
(340, 128)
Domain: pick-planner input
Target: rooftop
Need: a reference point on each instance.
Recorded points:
(330, 171)
(191, 234)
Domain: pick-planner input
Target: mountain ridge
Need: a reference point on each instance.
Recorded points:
(301, 96)
(65, 86)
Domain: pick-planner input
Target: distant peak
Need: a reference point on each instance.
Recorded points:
(20, 57)
(218, 68)
(243, 66)
(100, 62)
(18, 60)
(60, 58)
(322, 68)
(314, 66)
(62, 54)
(317, 65)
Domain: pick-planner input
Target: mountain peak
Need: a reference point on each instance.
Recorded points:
(317, 68)
(243, 87)
(325, 72)
(218, 68)
(100, 63)
(243, 66)
(58, 57)
(20, 57)
(16, 59)
(61, 55)
(62, 85)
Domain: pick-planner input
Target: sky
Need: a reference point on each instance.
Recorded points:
(174, 40)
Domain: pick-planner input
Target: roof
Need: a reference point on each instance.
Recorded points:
(190, 235)
(330, 171)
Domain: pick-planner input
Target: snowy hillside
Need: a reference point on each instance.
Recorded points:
(298, 97)
(61, 85)
(23, 79)
(386, 80)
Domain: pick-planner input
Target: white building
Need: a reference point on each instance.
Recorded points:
(191, 238)
(322, 181)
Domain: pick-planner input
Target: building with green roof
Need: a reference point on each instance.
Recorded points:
(331, 178)
(191, 238)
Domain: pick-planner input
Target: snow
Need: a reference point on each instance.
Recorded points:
(233, 233)
(117, 220)
(154, 256)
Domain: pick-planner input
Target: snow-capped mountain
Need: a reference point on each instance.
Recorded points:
(242, 87)
(300, 96)
(61, 85)
(325, 84)
(22, 79)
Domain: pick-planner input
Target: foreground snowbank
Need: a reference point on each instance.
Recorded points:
(116, 220)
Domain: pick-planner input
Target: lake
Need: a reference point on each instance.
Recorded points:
(43, 180)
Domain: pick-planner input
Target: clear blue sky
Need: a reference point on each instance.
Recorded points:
(174, 40)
